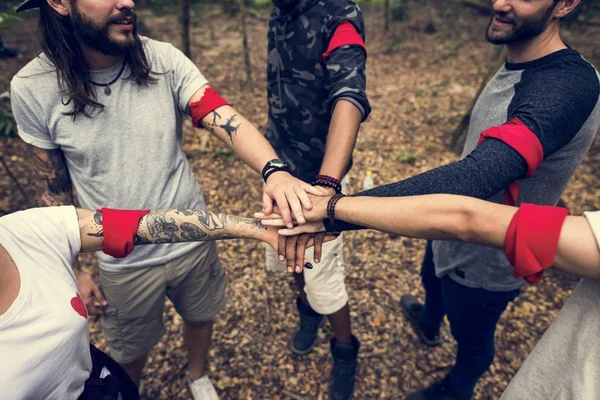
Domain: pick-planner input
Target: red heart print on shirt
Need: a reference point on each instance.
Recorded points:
(79, 306)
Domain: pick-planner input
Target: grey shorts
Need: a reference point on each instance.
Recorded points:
(133, 321)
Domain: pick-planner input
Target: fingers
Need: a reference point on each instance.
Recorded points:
(301, 193)
(99, 295)
(315, 190)
(284, 209)
(290, 252)
(300, 250)
(318, 246)
(281, 247)
(267, 203)
(294, 203)
(261, 215)
(273, 222)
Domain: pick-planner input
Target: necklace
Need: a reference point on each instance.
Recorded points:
(107, 90)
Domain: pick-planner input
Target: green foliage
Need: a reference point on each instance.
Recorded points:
(406, 157)
(8, 18)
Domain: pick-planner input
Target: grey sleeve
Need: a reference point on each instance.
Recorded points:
(487, 170)
(186, 77)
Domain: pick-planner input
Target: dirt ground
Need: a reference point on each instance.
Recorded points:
(420, 85)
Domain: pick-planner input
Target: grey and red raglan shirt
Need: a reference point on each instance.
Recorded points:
(530, 129)
(316, 56)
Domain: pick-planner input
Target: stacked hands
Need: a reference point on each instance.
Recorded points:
(304, 230)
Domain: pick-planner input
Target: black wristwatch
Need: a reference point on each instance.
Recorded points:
(274, 166)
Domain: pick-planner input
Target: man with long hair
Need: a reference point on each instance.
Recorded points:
(101, 109)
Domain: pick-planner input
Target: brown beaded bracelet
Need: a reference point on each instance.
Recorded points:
(331, 206)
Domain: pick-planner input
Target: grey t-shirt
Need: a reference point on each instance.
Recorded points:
(129, 155)
(565, 364)
(557, 98)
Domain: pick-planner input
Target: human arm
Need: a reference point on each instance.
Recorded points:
(449, 217)
(252, 147)
(176, 226)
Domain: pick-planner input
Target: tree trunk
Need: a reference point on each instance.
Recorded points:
(247, 63)
(459, 135)
(386, 15)
(185, 24)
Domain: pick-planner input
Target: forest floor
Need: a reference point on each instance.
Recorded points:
(420, 85)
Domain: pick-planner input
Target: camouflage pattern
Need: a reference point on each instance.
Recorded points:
(302, 88)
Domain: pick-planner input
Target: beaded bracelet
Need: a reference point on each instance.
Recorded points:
(331, 206)
(327, 181)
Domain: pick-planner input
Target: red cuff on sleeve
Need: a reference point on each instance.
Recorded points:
(532, 239)
(345, 34)
(210, 101)
(119, 228)
(523, 141)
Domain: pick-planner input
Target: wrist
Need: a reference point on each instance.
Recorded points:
(328, 182)
(275, 165)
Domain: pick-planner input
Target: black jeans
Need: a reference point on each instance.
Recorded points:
(473, 315)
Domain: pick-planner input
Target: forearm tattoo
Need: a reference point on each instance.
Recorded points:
(229, 126)
(52, 184)
(173, 226)
(97, 229)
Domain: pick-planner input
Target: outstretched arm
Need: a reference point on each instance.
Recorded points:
(453, 217)
(175, 226)
(251, 146)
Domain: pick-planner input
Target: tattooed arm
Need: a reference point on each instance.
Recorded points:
(52, 181)
(252, 147)
(175, 226)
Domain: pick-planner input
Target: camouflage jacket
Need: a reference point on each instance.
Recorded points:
(302, 87)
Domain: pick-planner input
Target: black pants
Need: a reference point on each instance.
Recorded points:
(473, 315)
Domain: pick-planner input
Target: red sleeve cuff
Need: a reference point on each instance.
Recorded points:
(345, 34)
(210, 101)
(523, 141)
(532, 239)
(119, 229)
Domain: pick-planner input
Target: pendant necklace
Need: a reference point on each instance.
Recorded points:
(107, 90)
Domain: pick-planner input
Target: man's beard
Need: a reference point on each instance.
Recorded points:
(521, 30)
(96, 36)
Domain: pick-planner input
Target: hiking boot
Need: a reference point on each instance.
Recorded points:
(343, 375)
(412, 309)
(441, 390)
(310, 321)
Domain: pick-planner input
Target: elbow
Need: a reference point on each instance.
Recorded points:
(469, 224)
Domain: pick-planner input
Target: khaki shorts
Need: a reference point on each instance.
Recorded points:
(324, 284)
(133, 321)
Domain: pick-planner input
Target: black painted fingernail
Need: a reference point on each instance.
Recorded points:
(308, 266)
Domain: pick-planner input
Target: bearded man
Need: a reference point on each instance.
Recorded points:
(530, 129)
(101, 110)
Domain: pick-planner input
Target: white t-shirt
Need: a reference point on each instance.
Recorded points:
(44, 341)
(128, 156)
(565, 363)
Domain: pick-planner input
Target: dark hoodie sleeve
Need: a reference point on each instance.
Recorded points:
(345, 66)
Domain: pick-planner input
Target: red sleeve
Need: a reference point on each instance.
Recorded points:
(210, 101)
(523, 141)
(119, 228)
(532, 239)
(345, 34)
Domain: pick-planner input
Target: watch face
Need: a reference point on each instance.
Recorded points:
(277, 164)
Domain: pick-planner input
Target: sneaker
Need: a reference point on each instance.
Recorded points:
(343, 375)
(203, 389)
(310, 321)
(412, 309)
(441, 390)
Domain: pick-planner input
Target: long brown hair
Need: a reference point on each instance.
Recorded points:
(64, 51)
